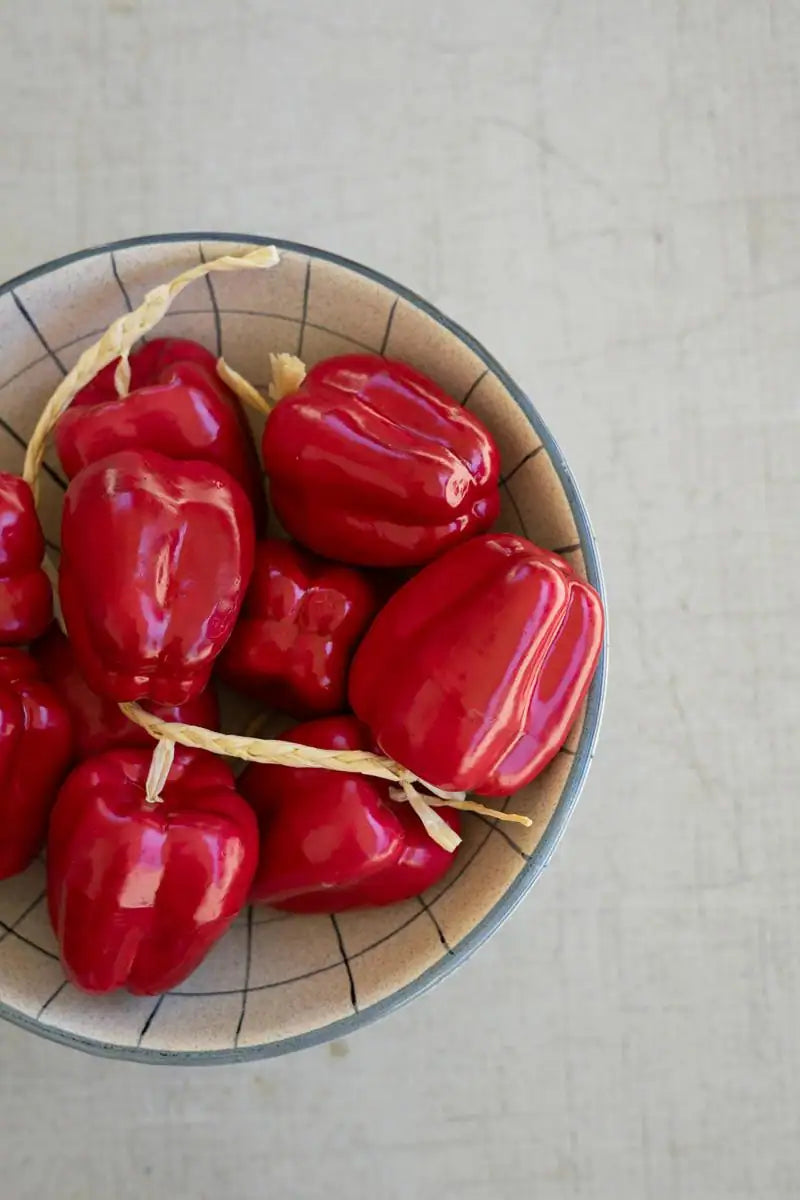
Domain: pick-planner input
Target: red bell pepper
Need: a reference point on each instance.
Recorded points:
(372, 463)
(321, 831)
(26, 600)
(35, 749)
(99, 724)
(474, 671)
(156, 558)
(332, 841)
(301, 621)
(177, 405)
(139, 892)
(422, 863)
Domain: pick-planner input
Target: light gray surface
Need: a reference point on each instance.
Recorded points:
(608, 195)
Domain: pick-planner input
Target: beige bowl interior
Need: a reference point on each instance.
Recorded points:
(273, 977)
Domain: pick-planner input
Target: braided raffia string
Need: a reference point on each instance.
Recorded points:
(288, 373)
(279, 753)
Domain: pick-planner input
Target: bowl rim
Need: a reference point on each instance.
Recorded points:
(542, 853)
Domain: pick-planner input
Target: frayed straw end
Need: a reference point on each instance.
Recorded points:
(288, 372)
(160, 767)
(435, 827)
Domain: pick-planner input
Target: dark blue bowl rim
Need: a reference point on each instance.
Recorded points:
(583, 754)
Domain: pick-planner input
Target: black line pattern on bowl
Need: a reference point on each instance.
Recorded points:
(150, 1018)
(12, 433)
(20, 937)
(473, 386)
(35, 362)
(346, 961)
(247, 967)
(26, 913)
(54, 475)
(251, 312)
(304, 319)
(504, 835)
(118, 277)
(435, 921)
(84, 337)
(214, 305)
(388, 331)
(514, 505)
(50, 999)
(23, 445)
(531, 454)
(56, 478)
(23, 310)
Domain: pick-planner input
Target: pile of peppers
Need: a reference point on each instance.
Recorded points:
(392, 620)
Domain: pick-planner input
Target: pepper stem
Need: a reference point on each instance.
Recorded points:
(160, 767)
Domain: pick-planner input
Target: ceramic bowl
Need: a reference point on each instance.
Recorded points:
(278, 983)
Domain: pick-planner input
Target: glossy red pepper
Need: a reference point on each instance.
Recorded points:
(301, 621)
(370, 462)
(177, 405)
(26, 601)
(99, 724)
(156, 558)
(138, 892)
(35, 749)
(474, 671)
(422, 863)
(322, 831)
(332, 841)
